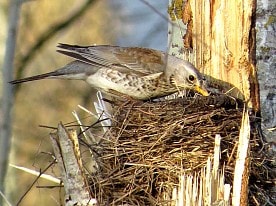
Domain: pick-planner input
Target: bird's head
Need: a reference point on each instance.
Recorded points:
(184, 75)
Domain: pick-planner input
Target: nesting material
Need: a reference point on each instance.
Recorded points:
(151, 144)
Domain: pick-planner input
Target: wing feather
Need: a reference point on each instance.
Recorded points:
(141, 61)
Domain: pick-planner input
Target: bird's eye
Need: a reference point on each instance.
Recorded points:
(191, 78)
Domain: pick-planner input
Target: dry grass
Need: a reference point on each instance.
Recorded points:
(151, 144)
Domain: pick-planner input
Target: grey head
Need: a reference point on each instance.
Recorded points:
(184, 75)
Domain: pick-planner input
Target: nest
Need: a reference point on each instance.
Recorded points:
(150, 144)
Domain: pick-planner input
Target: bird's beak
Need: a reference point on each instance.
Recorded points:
(202, 90)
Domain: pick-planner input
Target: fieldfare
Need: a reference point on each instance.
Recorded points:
(140, 73)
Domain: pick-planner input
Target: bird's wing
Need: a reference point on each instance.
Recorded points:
(141, 61)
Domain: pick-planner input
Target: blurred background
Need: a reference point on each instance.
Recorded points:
(42, 25)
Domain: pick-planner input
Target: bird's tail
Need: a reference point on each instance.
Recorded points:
(36, 77)
(73, 70)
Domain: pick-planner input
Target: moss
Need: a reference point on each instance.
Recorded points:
(271, 20)
(175, 9)
(265, 49)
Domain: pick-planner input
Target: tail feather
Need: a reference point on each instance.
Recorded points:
(73, 70)
(36, 77)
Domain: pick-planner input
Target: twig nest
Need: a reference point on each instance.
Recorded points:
(151, 143)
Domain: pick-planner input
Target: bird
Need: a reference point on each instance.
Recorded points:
(136, 72)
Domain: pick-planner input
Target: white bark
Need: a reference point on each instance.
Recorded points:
(266, 64)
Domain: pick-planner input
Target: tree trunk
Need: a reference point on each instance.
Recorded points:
(266, 61)
(221, 37)
(224, 44)
(7, 98)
